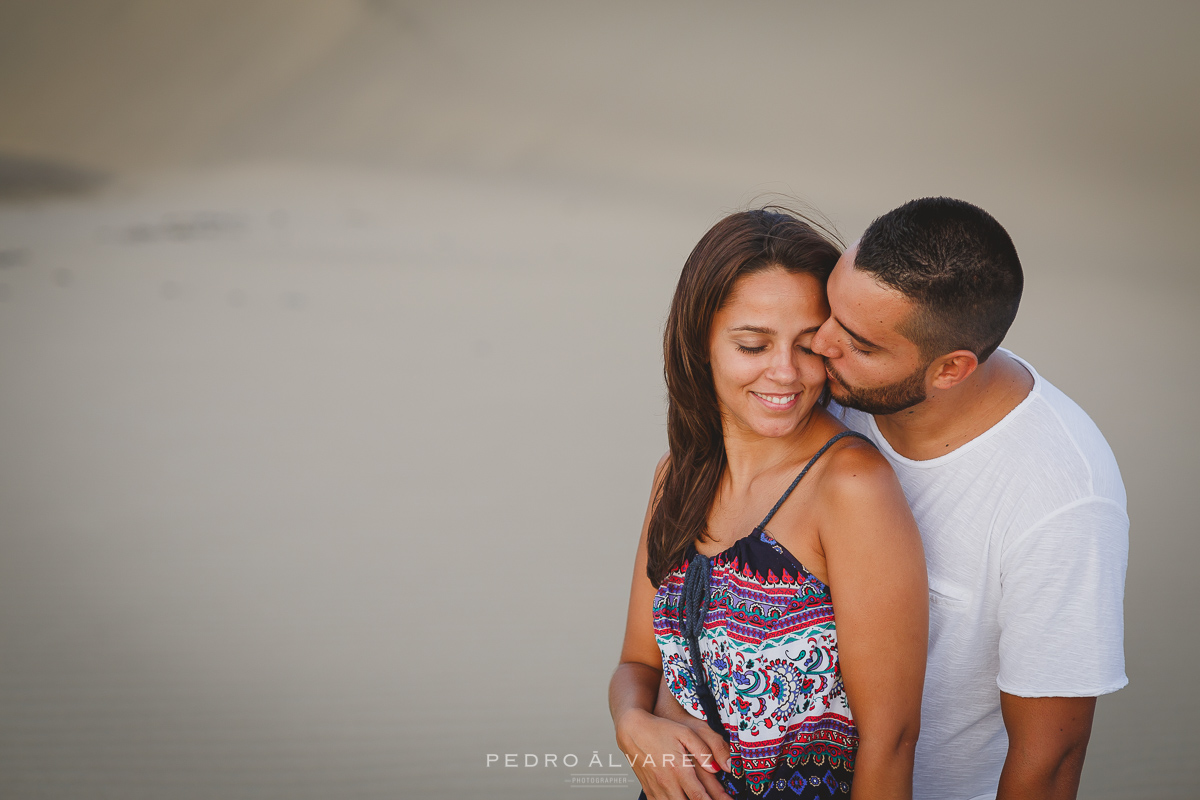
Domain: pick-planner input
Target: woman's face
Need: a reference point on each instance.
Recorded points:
(767, 379)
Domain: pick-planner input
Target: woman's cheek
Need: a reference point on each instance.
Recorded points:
(814, 369)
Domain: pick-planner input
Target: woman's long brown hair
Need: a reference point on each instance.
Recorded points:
(740, 244)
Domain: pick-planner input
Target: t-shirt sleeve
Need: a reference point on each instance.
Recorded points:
(1061, 606)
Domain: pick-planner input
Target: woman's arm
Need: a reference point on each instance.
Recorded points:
(877, 578)
(649, 741)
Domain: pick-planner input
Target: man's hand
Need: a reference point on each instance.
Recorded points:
(1047, 740)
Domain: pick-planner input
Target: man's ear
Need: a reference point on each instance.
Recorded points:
(952, 369)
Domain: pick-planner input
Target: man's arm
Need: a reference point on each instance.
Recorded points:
(1061, 636)
(1047, 740)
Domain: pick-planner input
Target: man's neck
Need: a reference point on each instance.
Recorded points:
(950, 418)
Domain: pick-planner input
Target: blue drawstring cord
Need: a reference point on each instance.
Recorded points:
(695, 607)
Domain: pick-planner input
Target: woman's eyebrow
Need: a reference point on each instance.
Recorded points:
(770, 331)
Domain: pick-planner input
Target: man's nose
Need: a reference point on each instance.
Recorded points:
(823, 340)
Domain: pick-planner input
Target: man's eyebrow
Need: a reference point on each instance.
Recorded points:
(862, 339)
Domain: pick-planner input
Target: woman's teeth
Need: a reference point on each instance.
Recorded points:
(779, 400)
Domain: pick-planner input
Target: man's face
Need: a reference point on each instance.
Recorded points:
(870, 365)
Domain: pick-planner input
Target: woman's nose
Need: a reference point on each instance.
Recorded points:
(783, 366)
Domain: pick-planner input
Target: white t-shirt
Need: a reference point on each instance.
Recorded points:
(1026, 540)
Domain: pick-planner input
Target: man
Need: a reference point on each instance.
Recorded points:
(1018, 497)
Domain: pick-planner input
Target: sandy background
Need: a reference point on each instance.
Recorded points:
(329, 352)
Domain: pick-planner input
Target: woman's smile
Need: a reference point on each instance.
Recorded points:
(776, 402)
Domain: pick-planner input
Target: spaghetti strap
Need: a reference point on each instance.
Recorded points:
(804, 472)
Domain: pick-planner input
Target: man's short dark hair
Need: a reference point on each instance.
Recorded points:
(958, 266)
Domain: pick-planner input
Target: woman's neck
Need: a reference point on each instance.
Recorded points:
(748, 455)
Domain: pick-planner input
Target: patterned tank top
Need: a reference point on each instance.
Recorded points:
(769, 679)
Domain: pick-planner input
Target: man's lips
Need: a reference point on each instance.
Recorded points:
(832, 376)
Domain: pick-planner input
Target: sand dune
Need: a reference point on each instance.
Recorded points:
(329, 344)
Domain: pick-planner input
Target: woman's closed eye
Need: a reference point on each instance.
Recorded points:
(743, 348)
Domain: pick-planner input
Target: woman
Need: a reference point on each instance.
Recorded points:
(737, 621)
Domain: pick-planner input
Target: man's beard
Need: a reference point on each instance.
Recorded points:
(882, 400)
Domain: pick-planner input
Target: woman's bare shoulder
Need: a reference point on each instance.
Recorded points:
(656, 484)
(857, 472)
(660, 470)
